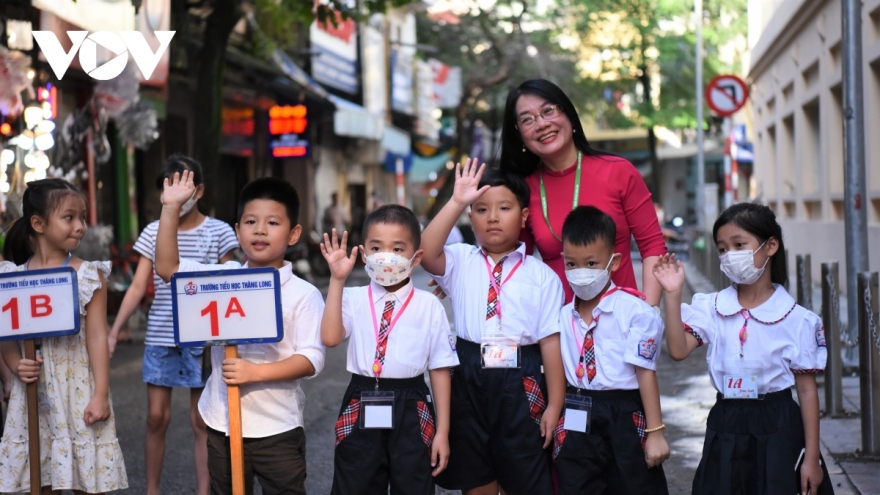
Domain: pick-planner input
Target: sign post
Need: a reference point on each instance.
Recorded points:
(228, 308)
(726, 94)
(36, 304)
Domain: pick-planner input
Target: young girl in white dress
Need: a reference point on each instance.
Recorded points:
(78, 446)
(759, 441)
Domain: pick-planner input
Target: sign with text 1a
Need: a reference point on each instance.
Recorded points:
(39, 303)
(226, 307)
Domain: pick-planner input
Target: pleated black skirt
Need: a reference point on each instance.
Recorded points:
(751, 448)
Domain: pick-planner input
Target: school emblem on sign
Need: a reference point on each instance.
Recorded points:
(647, 349)
(820, 337)
(190, 289)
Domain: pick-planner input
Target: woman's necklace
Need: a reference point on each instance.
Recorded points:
(574, 200)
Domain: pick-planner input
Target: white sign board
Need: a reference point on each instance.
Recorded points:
(226, 307)
(38, 303)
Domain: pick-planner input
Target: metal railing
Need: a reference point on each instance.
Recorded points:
(869, 361)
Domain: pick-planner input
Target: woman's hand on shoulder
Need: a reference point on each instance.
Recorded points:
(97, 410)
(438, 291)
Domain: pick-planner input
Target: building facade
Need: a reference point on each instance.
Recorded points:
(797, 90)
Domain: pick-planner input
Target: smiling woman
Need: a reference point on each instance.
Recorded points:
(543, 141)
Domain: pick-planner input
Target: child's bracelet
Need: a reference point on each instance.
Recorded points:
(652, 430)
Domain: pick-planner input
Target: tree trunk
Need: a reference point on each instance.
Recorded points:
(209, 93)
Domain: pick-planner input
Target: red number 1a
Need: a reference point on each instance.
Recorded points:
(211, 309)
(12, 307)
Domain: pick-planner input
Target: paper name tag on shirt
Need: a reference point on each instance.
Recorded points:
(578, 410)
(378, 409)
(500, 355)
(740, 386)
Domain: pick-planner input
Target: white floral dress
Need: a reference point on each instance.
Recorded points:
(73, 456)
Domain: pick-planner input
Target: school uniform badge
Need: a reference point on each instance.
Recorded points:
(647, 349)
(452, 343)
(820, 337)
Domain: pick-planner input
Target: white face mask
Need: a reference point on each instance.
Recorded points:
(587, 283)
(388, 268)
(739, 266)
(186, 207)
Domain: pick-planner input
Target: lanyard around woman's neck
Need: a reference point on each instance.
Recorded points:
(27, 264)
(574, 199)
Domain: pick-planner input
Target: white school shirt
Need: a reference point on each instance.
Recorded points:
(627, 334)
(782, 337)
(420, 339)
(530, 299)
(207, 243)
(268, 408)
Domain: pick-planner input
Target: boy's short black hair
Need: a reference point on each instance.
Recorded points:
(395, 215)
(588, 224)
(496, 177)
(274, 189)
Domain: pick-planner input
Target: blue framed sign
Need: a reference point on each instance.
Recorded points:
(227, 307)
(39, 303)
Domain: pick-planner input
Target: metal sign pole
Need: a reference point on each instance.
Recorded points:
(701, 172)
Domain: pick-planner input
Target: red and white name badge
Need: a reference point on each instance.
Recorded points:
(227, 307)
(39, 303)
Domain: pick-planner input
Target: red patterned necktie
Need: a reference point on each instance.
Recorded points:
(491, 309)
(383, 330)
(589, 354)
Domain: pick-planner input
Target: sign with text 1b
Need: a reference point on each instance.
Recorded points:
(226, 307)
(39, 303)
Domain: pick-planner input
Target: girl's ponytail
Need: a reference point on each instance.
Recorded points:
(760, 221)
(17, 247)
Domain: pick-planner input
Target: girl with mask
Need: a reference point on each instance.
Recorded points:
(388, 433)
(203, 239)
(760, 343)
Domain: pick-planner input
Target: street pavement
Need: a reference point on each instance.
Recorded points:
(686, 397)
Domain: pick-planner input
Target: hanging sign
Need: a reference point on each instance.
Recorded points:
(726, 94)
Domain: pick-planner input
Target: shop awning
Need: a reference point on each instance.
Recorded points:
(353, 120)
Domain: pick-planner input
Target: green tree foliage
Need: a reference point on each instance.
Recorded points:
(657, 37)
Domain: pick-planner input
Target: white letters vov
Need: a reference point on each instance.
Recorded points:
(121, 44)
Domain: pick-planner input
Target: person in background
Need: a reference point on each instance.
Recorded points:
(165, 366)
(335, 216)
(543, 141)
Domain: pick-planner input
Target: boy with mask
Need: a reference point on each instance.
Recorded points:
(610, 436)
(386, 432)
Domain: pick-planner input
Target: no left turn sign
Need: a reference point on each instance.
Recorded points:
(726, 94)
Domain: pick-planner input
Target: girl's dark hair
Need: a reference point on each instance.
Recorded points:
(179, 163)
(524, 163)
(40, 198)
(760, 221)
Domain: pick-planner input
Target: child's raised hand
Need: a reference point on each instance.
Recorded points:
(467, 179)
(97, 410)
(656, 449)
(669, 272)
(334, 251)
(439, 454)
(28, 370)
(179, 189)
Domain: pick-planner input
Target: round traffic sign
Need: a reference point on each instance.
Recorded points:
(726, 94)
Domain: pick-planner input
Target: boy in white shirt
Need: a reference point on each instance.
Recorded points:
(609, 439)
(506, 309)
(268, 374)
(396, 332)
